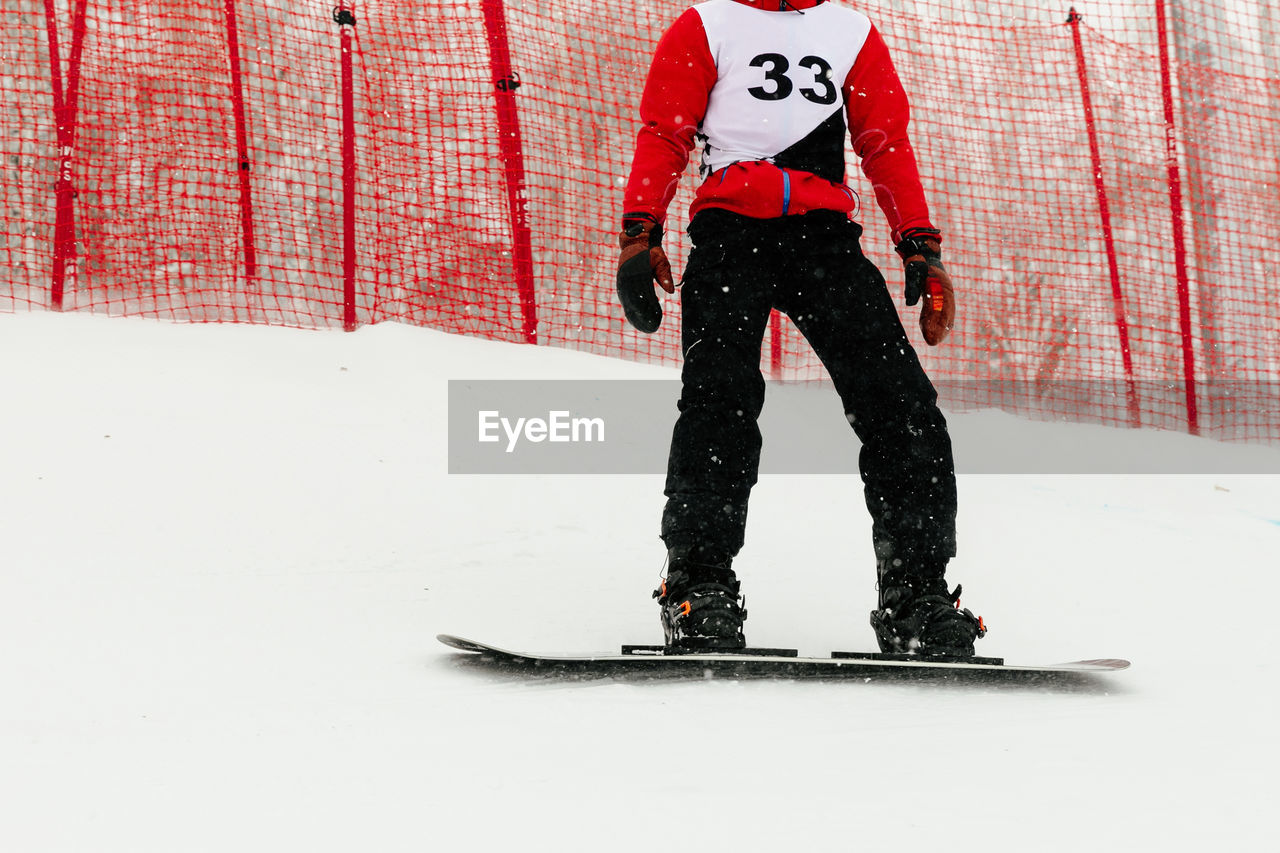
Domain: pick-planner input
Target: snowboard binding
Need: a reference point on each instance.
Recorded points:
(925, 621)
(701, 615)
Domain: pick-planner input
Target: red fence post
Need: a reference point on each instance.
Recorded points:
(242, 142)
(1179, 240)
(1104, 213)
(64, 115)
(775, 344)
(346, 21)
(506, 82)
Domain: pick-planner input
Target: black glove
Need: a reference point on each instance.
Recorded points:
(641, 263)
(921, 251)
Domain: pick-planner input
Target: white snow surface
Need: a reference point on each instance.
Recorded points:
(227, 551)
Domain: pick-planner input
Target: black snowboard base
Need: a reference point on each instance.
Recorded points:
(655, 662)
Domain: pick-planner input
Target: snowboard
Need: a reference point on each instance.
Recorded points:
(654, 661)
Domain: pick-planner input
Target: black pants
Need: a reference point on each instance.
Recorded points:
(812, 269)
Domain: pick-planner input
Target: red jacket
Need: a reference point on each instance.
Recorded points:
(772, 95)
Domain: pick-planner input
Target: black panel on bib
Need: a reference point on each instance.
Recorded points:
(821, 152)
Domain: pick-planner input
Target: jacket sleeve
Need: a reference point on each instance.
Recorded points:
(672, 107)
(878, 114)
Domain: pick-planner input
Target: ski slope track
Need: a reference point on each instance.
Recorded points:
(228, 550)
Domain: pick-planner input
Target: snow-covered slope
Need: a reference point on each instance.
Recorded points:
(227, 550)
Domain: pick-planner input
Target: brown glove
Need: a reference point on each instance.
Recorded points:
(922, 254)
(641, 263)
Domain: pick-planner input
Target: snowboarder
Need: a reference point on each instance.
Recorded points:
(772, 89)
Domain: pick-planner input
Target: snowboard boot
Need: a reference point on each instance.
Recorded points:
(701, 609)
(920, 617)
